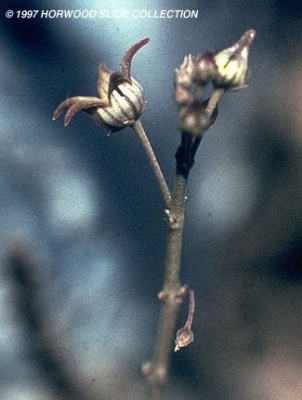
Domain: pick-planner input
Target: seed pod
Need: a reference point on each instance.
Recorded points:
(125, 99)
(120, 102)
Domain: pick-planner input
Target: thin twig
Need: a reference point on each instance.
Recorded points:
(138, 127)
(156, 371)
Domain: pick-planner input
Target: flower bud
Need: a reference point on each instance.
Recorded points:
(205, 67)
(183, 80)
(232, 64)
(195, 119)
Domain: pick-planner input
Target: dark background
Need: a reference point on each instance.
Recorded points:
(82, 222)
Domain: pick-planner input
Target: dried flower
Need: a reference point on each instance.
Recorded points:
(232, 63)
(120, 102)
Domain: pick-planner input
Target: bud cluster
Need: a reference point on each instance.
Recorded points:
(191, 77)
(226, 70)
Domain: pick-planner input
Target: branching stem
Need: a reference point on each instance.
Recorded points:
(172, 294)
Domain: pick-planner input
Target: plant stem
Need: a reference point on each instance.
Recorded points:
(138, 127)
(156, 370)
(213, 100)
(175, 233)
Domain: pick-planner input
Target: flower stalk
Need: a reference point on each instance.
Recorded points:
(139, 129)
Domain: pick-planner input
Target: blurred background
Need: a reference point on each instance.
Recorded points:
(82, 238)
